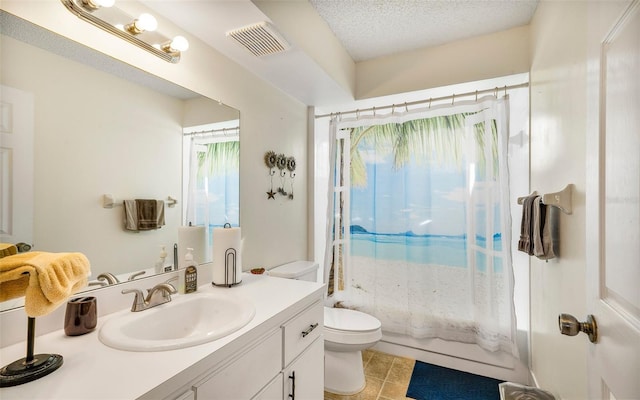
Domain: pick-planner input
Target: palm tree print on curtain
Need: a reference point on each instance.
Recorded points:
(214, 183)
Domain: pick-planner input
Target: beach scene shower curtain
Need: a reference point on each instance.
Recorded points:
(213, 197)
(421, 228)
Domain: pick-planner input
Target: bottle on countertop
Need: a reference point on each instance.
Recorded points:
(188, 276)
(160, 263)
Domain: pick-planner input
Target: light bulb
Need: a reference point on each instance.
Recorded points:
(180, 43)
(146, 22)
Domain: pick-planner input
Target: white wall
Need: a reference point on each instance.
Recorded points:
(274, 232)
(558, 123)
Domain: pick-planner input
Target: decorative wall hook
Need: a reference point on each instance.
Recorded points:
(286, 166)
(270, 162)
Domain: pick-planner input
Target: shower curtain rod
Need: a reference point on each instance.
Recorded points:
(429, 101)
(235, 129)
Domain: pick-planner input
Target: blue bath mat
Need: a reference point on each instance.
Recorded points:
(431, 382)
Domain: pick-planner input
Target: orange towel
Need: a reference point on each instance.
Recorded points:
(45, 279)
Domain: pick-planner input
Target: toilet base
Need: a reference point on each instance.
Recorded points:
(343, 372)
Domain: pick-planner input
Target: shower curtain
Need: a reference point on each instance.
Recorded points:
(213, 197)
(421, 224)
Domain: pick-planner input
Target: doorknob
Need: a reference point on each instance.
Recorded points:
(570, 326)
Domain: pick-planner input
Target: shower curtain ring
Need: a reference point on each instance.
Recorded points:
(476, 95)
(453, 98)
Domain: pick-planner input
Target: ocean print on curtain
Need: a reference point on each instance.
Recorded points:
(421, 228)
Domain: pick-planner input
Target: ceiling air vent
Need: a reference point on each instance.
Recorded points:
(261, 39)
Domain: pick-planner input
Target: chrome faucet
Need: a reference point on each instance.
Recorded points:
(159, 294)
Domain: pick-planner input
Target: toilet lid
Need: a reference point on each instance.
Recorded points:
(349, 320)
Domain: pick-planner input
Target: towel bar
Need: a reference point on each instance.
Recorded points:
(561, 199)
(108, 201)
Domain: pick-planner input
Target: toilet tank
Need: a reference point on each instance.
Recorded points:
(301, 270)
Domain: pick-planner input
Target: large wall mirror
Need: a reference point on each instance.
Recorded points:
(77, 125)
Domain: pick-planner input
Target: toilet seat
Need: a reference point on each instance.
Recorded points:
(350, 327)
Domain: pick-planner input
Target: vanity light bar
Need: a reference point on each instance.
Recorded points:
(166, 53)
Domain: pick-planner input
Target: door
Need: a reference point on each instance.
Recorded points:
(613, 204)
(16, 165)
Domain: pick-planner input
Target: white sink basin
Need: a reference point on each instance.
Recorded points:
(187, 320)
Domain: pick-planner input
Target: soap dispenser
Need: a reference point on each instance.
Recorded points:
(188, 277)
(160, 262)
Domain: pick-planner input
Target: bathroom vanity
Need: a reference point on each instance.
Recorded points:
(280, 350)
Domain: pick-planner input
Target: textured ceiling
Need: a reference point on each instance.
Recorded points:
(374, 28)
(366, 29)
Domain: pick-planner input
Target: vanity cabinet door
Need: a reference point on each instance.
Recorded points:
(304, 378)
(190, 395)
(247, 374)
(273, 391)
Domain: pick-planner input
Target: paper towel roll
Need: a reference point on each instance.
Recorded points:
(194, 237)
(226, 250)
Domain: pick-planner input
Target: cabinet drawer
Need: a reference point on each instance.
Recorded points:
(245, 376)
(300, 331)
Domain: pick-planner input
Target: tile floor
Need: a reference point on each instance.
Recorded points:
(387, 378)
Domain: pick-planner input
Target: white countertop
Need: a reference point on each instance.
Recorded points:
(92, 370)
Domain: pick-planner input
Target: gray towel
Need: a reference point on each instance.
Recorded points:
(539, 211)
(143, 215)
(525, 243)
(147, 214)
(538, 229)
(130, 215)
(549, 233)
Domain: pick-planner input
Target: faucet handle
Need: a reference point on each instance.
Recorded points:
(135, 275)
(138, 300)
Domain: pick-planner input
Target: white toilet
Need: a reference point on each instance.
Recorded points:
(346, 334)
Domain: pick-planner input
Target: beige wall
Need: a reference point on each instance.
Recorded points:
(88, 153)
(483, 57)
(274, 232)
